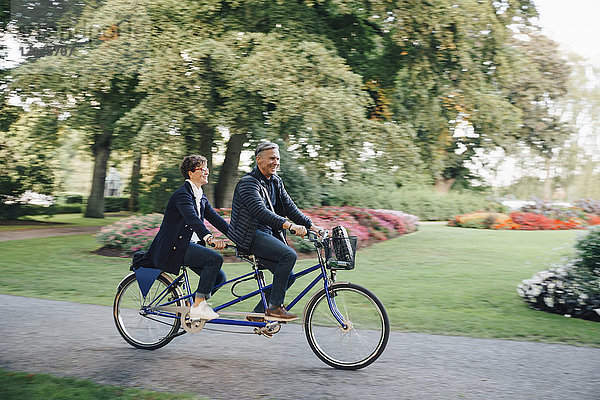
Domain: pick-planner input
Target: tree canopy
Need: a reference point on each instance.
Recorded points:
(352, 88)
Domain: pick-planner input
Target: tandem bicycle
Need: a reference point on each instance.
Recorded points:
(346, 325)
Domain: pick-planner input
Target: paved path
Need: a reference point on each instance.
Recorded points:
(46, 232)
(79, 340)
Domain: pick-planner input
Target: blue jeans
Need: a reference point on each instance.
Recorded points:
(279, 258)
(207, 264)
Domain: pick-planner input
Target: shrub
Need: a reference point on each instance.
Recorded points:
(427, 204)
(409, 221)
(572, 289)
(550, 210)
(115, 204)
(531, 221)
(69, 198)
(136, 233)
(74, 199)
(30, 209)
(479, 220)
(301, 245)
(589, 206)
(130, 234)
(432, 206)
(364, 223)
(588, 253)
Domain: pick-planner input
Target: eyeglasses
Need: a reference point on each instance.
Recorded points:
(203, 169)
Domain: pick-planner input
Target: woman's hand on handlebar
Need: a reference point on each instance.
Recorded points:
(218, 244)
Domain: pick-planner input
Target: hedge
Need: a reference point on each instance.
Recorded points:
(115, 204)
(427, 204)
(30, 209)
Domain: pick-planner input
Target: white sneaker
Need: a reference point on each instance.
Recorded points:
(203, 311)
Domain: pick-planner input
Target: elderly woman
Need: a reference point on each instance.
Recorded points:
(182, 235)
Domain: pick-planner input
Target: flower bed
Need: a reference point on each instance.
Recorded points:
(539, 216)
(521, 221)
(136, 233)
(130, 234)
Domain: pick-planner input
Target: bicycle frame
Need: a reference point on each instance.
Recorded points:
(183, 280)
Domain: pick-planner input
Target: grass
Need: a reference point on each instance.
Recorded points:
(23, 386)
(440, 280)
(458, 281)
(59, 221)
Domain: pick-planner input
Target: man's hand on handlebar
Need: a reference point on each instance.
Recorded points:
(318, 230)
(298, 230)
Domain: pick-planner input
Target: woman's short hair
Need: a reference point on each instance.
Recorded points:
(190, 163)
(265, 146)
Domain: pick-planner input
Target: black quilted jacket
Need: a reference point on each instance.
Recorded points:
(250, 207)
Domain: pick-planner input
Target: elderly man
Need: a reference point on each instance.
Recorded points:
(260, 212)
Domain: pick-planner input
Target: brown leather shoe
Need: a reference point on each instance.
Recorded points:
(279, 314)
(254, 319)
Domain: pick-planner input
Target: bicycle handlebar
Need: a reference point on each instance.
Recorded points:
(227, 246)
(313, 235)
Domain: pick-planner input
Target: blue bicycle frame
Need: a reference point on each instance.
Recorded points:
(183, 280)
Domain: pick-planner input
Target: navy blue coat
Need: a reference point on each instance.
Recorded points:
(181, 219)
(250, 208)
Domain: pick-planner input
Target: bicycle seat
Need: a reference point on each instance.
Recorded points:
(248, 257)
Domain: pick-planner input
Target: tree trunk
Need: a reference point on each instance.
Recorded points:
(443, 185)
(134, 183)
(101, 151)
(206, 145)
(229, 170)
(547, 191)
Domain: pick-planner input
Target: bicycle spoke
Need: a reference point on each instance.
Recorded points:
(364, 337)
(140, 329)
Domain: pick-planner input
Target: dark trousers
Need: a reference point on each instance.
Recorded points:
(207, 264)
(279, 258)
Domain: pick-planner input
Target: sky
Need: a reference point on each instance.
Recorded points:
(573, 24)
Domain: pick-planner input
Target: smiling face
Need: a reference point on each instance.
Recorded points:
(268, 162)
(199, 175)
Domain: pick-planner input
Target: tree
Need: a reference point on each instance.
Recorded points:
(26, 144)
(95, 86)
(445, 65)
(537, 91)
(352, 88)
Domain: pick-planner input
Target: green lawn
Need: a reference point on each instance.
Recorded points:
(440, 280)
(23, 386)
(59, 221)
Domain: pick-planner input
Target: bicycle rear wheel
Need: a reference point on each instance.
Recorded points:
(138, 328)
(364, 339)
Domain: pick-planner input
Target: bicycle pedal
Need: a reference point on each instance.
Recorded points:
(265, 332)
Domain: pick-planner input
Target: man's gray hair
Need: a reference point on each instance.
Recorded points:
(265, 146)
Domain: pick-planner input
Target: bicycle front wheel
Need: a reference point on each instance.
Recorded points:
(366, 334)
(140, 329)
